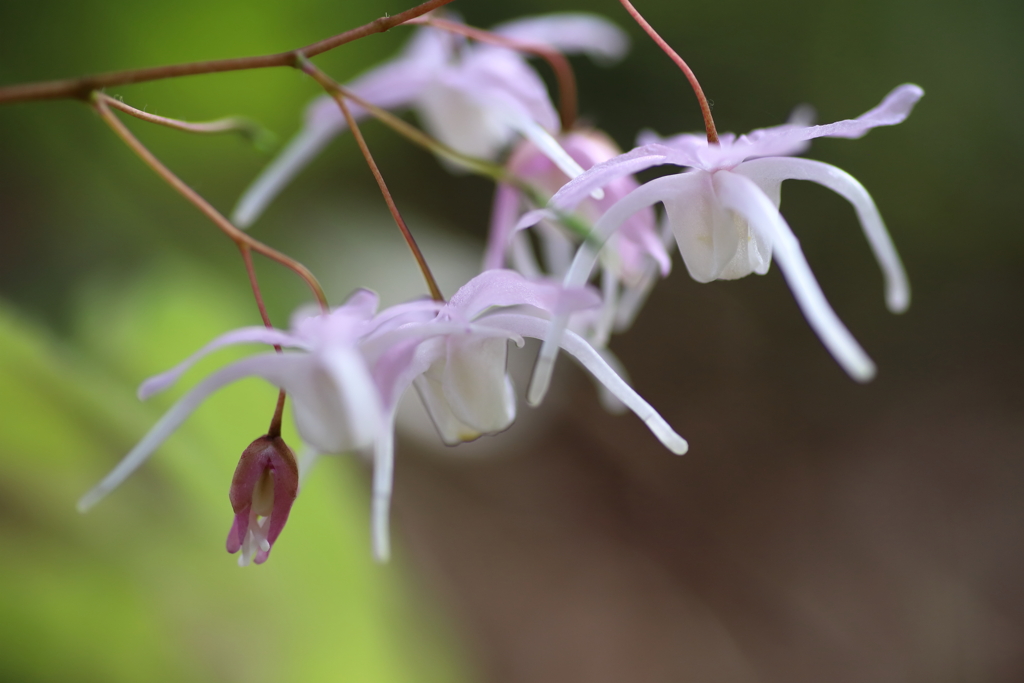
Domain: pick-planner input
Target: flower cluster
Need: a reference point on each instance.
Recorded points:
(344, 370)
(348, 368)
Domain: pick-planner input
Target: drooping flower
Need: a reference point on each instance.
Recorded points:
(475, 98)
(263, 489)
(456, 358)
(631, 260)
(334, 399)
(349, 369)
(724, 212)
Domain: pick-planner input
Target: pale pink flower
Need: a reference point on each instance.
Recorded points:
(330, 388)
(475, 98)
(630, 260)
(348, 370)
(725, 216)
(456, 359)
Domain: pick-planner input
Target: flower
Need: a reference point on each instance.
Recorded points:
(456, 359)
(348, 373)
(334, 399)
(724, 214)
(263, 489)
(634, 254)
(474, 98)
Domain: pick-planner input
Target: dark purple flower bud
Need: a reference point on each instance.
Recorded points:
(262, 491)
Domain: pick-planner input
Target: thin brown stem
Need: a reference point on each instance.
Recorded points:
(82, 88)
(709, 123)
(418, 137)
(274, 430)
(100, 103)
(334, 91)
(250, 270)
(230, 124)
(566, 77)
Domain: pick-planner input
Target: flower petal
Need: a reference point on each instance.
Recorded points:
(476, 385)
(267, 365)
(775, 170)
(579, 188)
(893, 109)
(498, 288)
(548, 146)
(570, 33)
(741, 194)
(578, 347)
(791, 139)
(504, 212)
(392, 85)
(245, 335)
(336, 404)
(645, 195)
(383, 480)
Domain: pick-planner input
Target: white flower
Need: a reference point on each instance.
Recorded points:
(475, 98)
(634, 256)
(456, 357)
(335, 402)
(724, 213)
(348, 373)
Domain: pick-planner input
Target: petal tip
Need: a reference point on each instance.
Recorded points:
(898, 302)
(539, 383)
(86, 502)
(666, 435)
(863, 373)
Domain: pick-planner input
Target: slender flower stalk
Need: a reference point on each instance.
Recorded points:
(274, 431)
(242, 240)
(475, 98)
(418, 137)
(724, 212)
(328, 84)
(259, 135)
(482, 167)
(705, 109)
(82, 88)
(566, 77)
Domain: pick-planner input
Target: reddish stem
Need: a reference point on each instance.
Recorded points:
(82, 88)
(567, 91)
(241, 239)
(334, 90)
(709, 123)
(274, 430)
(231, 124)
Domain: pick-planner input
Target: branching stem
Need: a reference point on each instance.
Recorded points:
(241, 239)
(334, 91)
(230, 124)
(274, 430)
(82, 88)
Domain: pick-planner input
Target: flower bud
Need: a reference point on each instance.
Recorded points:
(262, 491)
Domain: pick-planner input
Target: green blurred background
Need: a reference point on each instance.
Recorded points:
(818, 530)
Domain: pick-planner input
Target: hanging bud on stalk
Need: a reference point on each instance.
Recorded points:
(262, 491)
